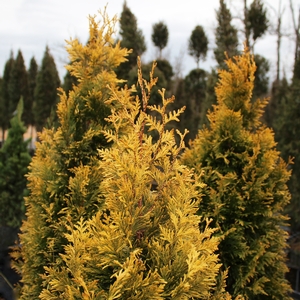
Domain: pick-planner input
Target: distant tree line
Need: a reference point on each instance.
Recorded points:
(38, 85)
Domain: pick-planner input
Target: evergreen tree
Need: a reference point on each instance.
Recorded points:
(195, 87)
(148, 246)
(166, 68)
(131, 38)
(1, 82)
(296, 69)
(280, 93)
(261, 81)
(192, 93)
(160, 35)
(69, 82)
(18, 87)
(226, 46)
(198, 44)
(32, 78)
(246, 188)
(4, 96)
(45, 93)
(64, 178)
(225, 35)
(255, 21)
(14, 161)
(287, 129)
(210, 97)
(257, 18)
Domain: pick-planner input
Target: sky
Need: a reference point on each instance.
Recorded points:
(30, 25)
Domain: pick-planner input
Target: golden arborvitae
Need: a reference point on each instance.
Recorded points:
(64, 179)
(246, 190)
(145, 242)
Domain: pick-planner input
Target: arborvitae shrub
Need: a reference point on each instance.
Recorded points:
(246, 190)
(64, 179)
(144, 242)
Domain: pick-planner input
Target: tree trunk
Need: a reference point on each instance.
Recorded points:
(247, 32)
(296, 28)
(279, 36)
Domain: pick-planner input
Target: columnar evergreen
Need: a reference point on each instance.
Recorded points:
(255, 21)
(18, 87)
(195, 88)
(4, 95)
(64, 178)
(132, 38)
(279, 94)
(45, 94)
(210, 97)
(145, 242)
(32, 80)
(287, 133)
(246, 190)
(261, 82)
(69, 81)
(160, 35)
(225, 35)
(198, 44)
(14, 162)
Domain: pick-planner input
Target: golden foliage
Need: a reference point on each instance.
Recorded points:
(145, 243)
(64, 179)
(246, 186)
(234, 89)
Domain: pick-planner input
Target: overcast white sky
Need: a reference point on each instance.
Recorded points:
(30, 25)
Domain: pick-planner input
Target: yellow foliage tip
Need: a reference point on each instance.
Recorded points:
(243, 62)
(146, 86)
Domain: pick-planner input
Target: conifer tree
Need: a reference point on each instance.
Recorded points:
(18, 87)
(64, 179)
(192, 89)
(69, 81)
(255, 22)
(45, 94)
(195, 87)
(287, 133)
(32, 79)
(160, 35)
(14, 161)
(246, 188)
(226, 39)
(4, 96)
(132, 38)
(280, 92)
(261, 81)
(148, 245)
(194, 93)
(225, 35)
(167, 69)
(257, 18)
(210, 97)
(198, 44)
